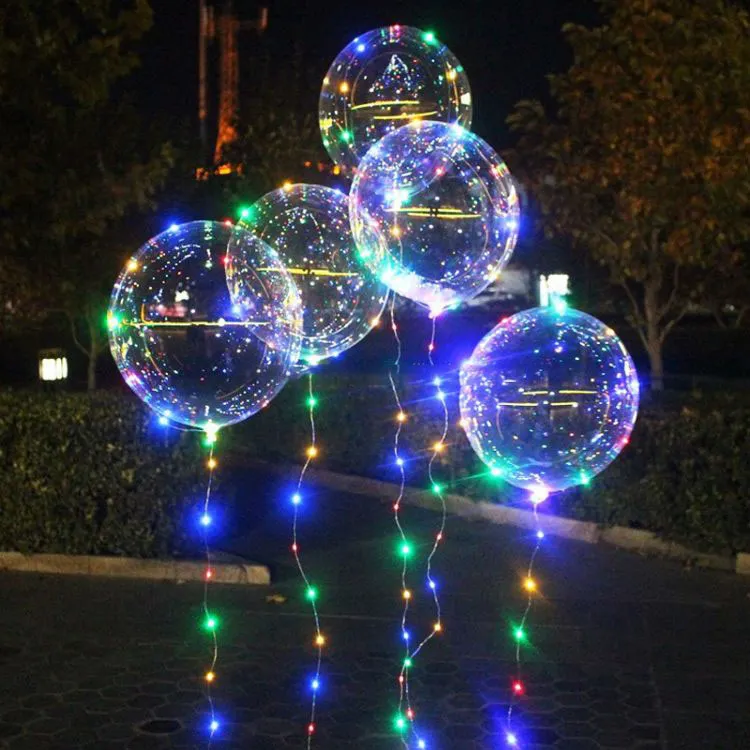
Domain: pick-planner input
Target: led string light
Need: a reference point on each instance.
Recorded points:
(437, 449)
(403, 719)
(311, 592)
(520, 637)
(210, 621)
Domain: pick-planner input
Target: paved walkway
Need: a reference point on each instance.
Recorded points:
(623, 652)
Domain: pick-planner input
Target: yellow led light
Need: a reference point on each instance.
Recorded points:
(210, 676)
(320, 640)
(529, 584)
(407, 594)
(438, 627)
(132, 264)
(212, 463)
(344, 87)
(401, 417)
(463, 423)
(375, 322)
(451, 75)
(312, 451)
(395, 231)
(438, 447)
(287, 185)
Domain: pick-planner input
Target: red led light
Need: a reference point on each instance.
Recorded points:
(518, 688)
(311, 728)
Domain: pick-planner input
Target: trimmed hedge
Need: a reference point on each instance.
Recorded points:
(84, 474)
(685, 474)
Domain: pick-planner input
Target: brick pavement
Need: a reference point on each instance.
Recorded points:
(624, 652)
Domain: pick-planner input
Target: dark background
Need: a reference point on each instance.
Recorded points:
(507, 48)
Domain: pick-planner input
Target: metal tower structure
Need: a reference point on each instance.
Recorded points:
(225, 29)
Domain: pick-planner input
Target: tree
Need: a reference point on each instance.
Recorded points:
(74, 157)
(643, 159)
(278, 132)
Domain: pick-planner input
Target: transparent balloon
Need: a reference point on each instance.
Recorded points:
(383, 80)
(435, 213)
(308, 226)
(182, 345)
(549, 398)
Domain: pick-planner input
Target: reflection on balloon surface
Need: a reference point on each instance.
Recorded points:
(308, 226)
(549, 398)
(181, 344)
(435, 213)
(384, 79)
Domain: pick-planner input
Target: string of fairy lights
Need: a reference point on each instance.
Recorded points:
(519, 634)
(437, 450)
(210, 621)
(405, 548)
(311, 591)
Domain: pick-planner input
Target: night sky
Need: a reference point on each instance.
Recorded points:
(506, 46)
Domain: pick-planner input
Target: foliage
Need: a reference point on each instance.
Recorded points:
(643, 159)
(89, 475)
(75, 157)
(278, 132)
(684, 475)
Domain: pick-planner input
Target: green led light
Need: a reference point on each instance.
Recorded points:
(584, 478)
(211, 623)
(436, 488)
(113, 322)
(346, 136)
(559, 305)
(312, 402)
(519, 634)
(429, 37)
(244, 212)
(496, 472)
(407, 663)
(312, 593)
(400, 723)
(211, 434)
(406, 549)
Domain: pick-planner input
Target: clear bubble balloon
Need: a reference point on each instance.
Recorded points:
(549, 398)
(444, 211)
(383, 80)
(308, 226)
(182, 345)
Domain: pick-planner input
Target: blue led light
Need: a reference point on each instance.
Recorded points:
(315, 684)
(540, 534)
(296, 498)
(213, 726)
(205, 520)
(399, 462)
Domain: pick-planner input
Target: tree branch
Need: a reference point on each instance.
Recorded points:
(671, 324)
(640, 323)
(76, 340)
(662, 312)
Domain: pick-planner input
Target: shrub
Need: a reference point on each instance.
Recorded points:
(87, 474)
(685, 474)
